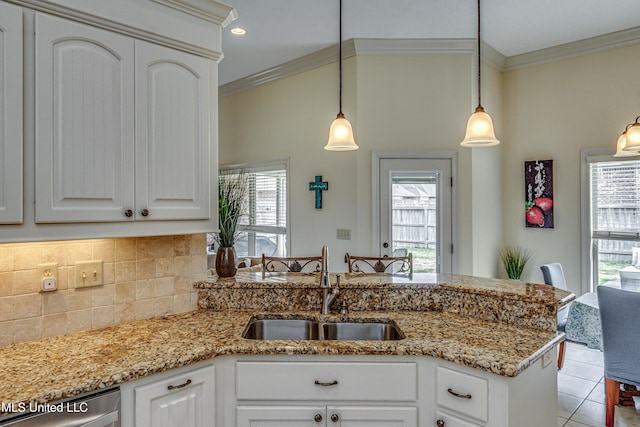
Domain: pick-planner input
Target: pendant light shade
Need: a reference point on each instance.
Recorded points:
(633, 138)
(341, 133)
(480, 131)
(621, 145)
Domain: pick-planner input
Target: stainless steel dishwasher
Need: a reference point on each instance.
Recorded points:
(101, 409)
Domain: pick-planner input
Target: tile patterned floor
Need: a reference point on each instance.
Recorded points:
(581, 391)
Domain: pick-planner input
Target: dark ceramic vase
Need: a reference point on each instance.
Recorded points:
(226, 262)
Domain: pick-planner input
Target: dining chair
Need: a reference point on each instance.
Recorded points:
(385, 264)
(554, 275)
(311, 264)
(620, 341)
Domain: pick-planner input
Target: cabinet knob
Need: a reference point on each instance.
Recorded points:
(440, 423)
(128, 213)
(317, 418)
(144, 212)
(335, 418)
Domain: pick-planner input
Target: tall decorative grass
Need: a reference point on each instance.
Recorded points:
(233, 191)
(514, 259)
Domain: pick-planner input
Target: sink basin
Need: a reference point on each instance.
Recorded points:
(304, 329)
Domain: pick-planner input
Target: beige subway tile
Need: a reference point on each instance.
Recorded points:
(181, 303)
(6, 333)
(6, 309)
(78, 251)
(183, 284)
(145, 309)
(164, 247)
(55, 253)
(145, 269)
(164, 267)
(6, 283)
(125, 249)
(25, 282)
(6, 258)
(102, 316)
(29, 305)
(198, 264)
(54, 325)
(162, 287)
(164, 305)
(109, 272)
(182, 265)
(27, 329)
(181, 245)
(125, 312)
(79, 320)
(79, 299)
(145, 248)
(144, 290)
(104, 250)
(125, 271)
(199, 244)
(55, 302)
(103, 295)
(27, 257)
(125, 292)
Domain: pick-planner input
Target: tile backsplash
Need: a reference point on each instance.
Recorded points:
(143, 277)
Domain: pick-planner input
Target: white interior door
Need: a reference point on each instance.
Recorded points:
(415, 197)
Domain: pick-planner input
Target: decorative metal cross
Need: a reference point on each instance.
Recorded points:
(318, 186)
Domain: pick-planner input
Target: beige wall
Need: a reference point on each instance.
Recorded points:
(144, 277)
(395, 103)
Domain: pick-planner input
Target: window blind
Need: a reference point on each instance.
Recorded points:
(615, 199)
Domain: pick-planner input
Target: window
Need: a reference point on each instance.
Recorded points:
(614, 212)
(264, 227)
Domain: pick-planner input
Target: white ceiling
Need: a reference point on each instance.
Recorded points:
(281, 30)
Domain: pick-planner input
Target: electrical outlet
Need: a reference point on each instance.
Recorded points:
(48, 276)
(89, 273)
(343, 234)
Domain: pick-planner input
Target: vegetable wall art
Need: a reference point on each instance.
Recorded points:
(538, 183)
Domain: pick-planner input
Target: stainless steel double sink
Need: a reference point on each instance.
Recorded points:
(307, 329)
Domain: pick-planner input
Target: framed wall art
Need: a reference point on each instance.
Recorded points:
(538, 187)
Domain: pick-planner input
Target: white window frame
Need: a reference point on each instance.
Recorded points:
(268, 166)
(589, 156)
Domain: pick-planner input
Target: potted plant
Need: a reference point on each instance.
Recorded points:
(514, 259)
(232, 197)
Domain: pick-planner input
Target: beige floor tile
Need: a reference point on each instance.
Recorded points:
(561, 421)
(582, 353)
(590, 413)
(583, 370)
(574, 386)
(627, 416)
(567, 405)
(572, 423)
(597, 395)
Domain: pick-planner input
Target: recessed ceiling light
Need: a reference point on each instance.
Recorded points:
(238, 31)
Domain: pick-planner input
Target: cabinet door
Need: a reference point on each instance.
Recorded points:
(10, 114)
(372, 416)
(281, 416)
(173, 127)
(186, 400)
(84, 122)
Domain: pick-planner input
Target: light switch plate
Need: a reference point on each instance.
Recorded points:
(343, 234)
(89, 273)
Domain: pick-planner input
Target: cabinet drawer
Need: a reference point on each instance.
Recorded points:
(451, 421)
(472, 392)
(326, 381)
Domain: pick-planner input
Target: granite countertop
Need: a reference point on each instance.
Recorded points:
(489, 324)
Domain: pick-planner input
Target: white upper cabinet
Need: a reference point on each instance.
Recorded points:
(84, 122)
(11, 141)
(173, 124)
(93, 88)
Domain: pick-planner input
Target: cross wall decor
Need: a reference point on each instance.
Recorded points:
(319, 186)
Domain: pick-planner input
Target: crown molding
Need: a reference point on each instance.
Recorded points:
(212, 11)
(573, 49)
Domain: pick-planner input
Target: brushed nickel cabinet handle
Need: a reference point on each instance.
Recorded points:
(331, 384)
(461, 396)
(173, 387)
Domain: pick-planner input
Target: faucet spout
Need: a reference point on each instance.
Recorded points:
(324, 273)
(329, 296)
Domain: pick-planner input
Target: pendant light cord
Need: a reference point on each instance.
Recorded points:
(340, 56)
(479, 64)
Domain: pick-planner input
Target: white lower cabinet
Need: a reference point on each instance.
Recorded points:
(185, 399)
(330, 416)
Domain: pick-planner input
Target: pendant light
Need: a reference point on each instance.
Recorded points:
(623, 148)
(341, 133)
(633, 138)
(480, 126)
